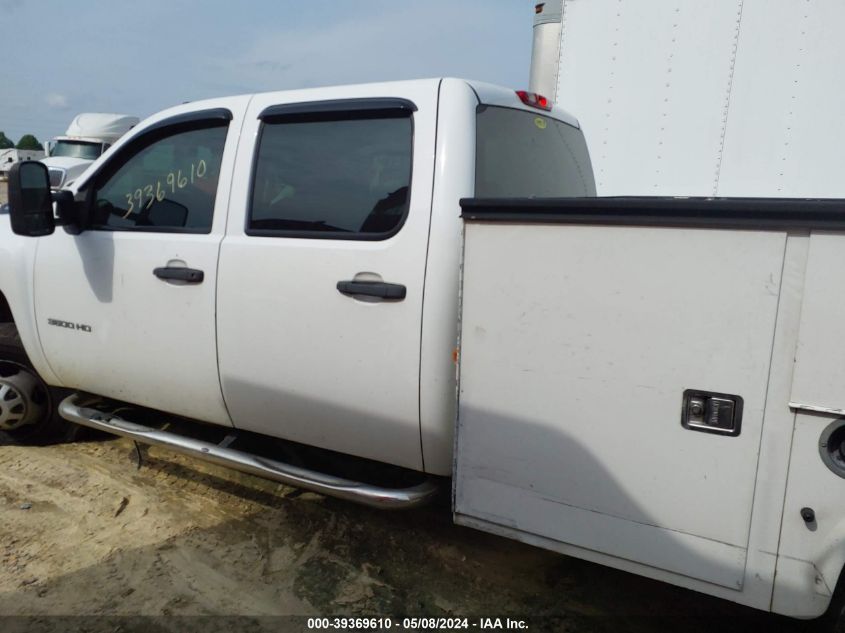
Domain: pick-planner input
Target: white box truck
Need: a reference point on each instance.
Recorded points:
(704, 98)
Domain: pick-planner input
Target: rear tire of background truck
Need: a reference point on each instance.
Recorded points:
(28, 406)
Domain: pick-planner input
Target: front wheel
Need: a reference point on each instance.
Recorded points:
(28, 406)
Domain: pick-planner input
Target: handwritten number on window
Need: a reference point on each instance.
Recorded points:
(146, 195)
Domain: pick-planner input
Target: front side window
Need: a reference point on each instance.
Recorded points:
(346, 179)
(169, 184)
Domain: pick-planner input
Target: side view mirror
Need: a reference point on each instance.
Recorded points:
(30, 199)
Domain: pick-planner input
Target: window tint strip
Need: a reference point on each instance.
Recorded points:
(222, 115)
(339, 109)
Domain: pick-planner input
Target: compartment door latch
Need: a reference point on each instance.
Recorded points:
(712, 412)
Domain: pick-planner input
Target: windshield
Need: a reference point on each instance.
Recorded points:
(527, 154)
(77, 149)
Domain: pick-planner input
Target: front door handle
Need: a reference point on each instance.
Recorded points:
(188, 275)
(380, 289)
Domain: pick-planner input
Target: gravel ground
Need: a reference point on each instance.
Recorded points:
(84, 531)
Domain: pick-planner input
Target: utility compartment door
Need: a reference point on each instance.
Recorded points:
(578, 344)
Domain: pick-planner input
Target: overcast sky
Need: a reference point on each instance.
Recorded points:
(60, 58)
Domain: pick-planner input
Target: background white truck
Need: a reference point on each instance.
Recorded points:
(87, 137)
(284, 268)
(704, 98)
(9, 157)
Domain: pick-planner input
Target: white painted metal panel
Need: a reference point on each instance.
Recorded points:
(545, 50)
(810, 559)
(785, 129)
(820, 371)
(713, 97)
(17, 268)
(649, 83)
(454, 178)
(577, 344)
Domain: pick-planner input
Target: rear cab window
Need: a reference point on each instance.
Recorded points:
(523, 154)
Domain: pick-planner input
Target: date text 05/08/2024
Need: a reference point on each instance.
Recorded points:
(412, 624)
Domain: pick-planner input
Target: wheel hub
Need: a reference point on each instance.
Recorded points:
(18, 400)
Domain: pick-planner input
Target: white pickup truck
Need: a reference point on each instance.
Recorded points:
(291, 278)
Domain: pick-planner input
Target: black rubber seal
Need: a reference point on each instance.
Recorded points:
(731, 213)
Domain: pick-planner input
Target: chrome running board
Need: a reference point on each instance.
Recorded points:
(366, 494)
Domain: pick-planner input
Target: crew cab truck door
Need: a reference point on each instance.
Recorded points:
(322, 269)
(126, 309)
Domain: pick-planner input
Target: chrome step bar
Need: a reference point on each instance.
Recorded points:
(72, 410)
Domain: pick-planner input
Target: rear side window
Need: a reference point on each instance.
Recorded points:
(521, 154)
(342, 179)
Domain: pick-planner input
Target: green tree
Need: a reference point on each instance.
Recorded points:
(5, 142)
(28, 141)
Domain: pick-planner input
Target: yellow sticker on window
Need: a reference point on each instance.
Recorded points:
(540, 122)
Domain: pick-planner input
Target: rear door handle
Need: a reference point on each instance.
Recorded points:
(372, 289)
(188, 275)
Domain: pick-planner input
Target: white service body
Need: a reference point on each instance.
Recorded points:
(577, 345)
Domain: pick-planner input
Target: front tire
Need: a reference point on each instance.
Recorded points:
(28, 406)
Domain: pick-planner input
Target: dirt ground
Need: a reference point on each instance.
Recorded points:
(84, 531)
